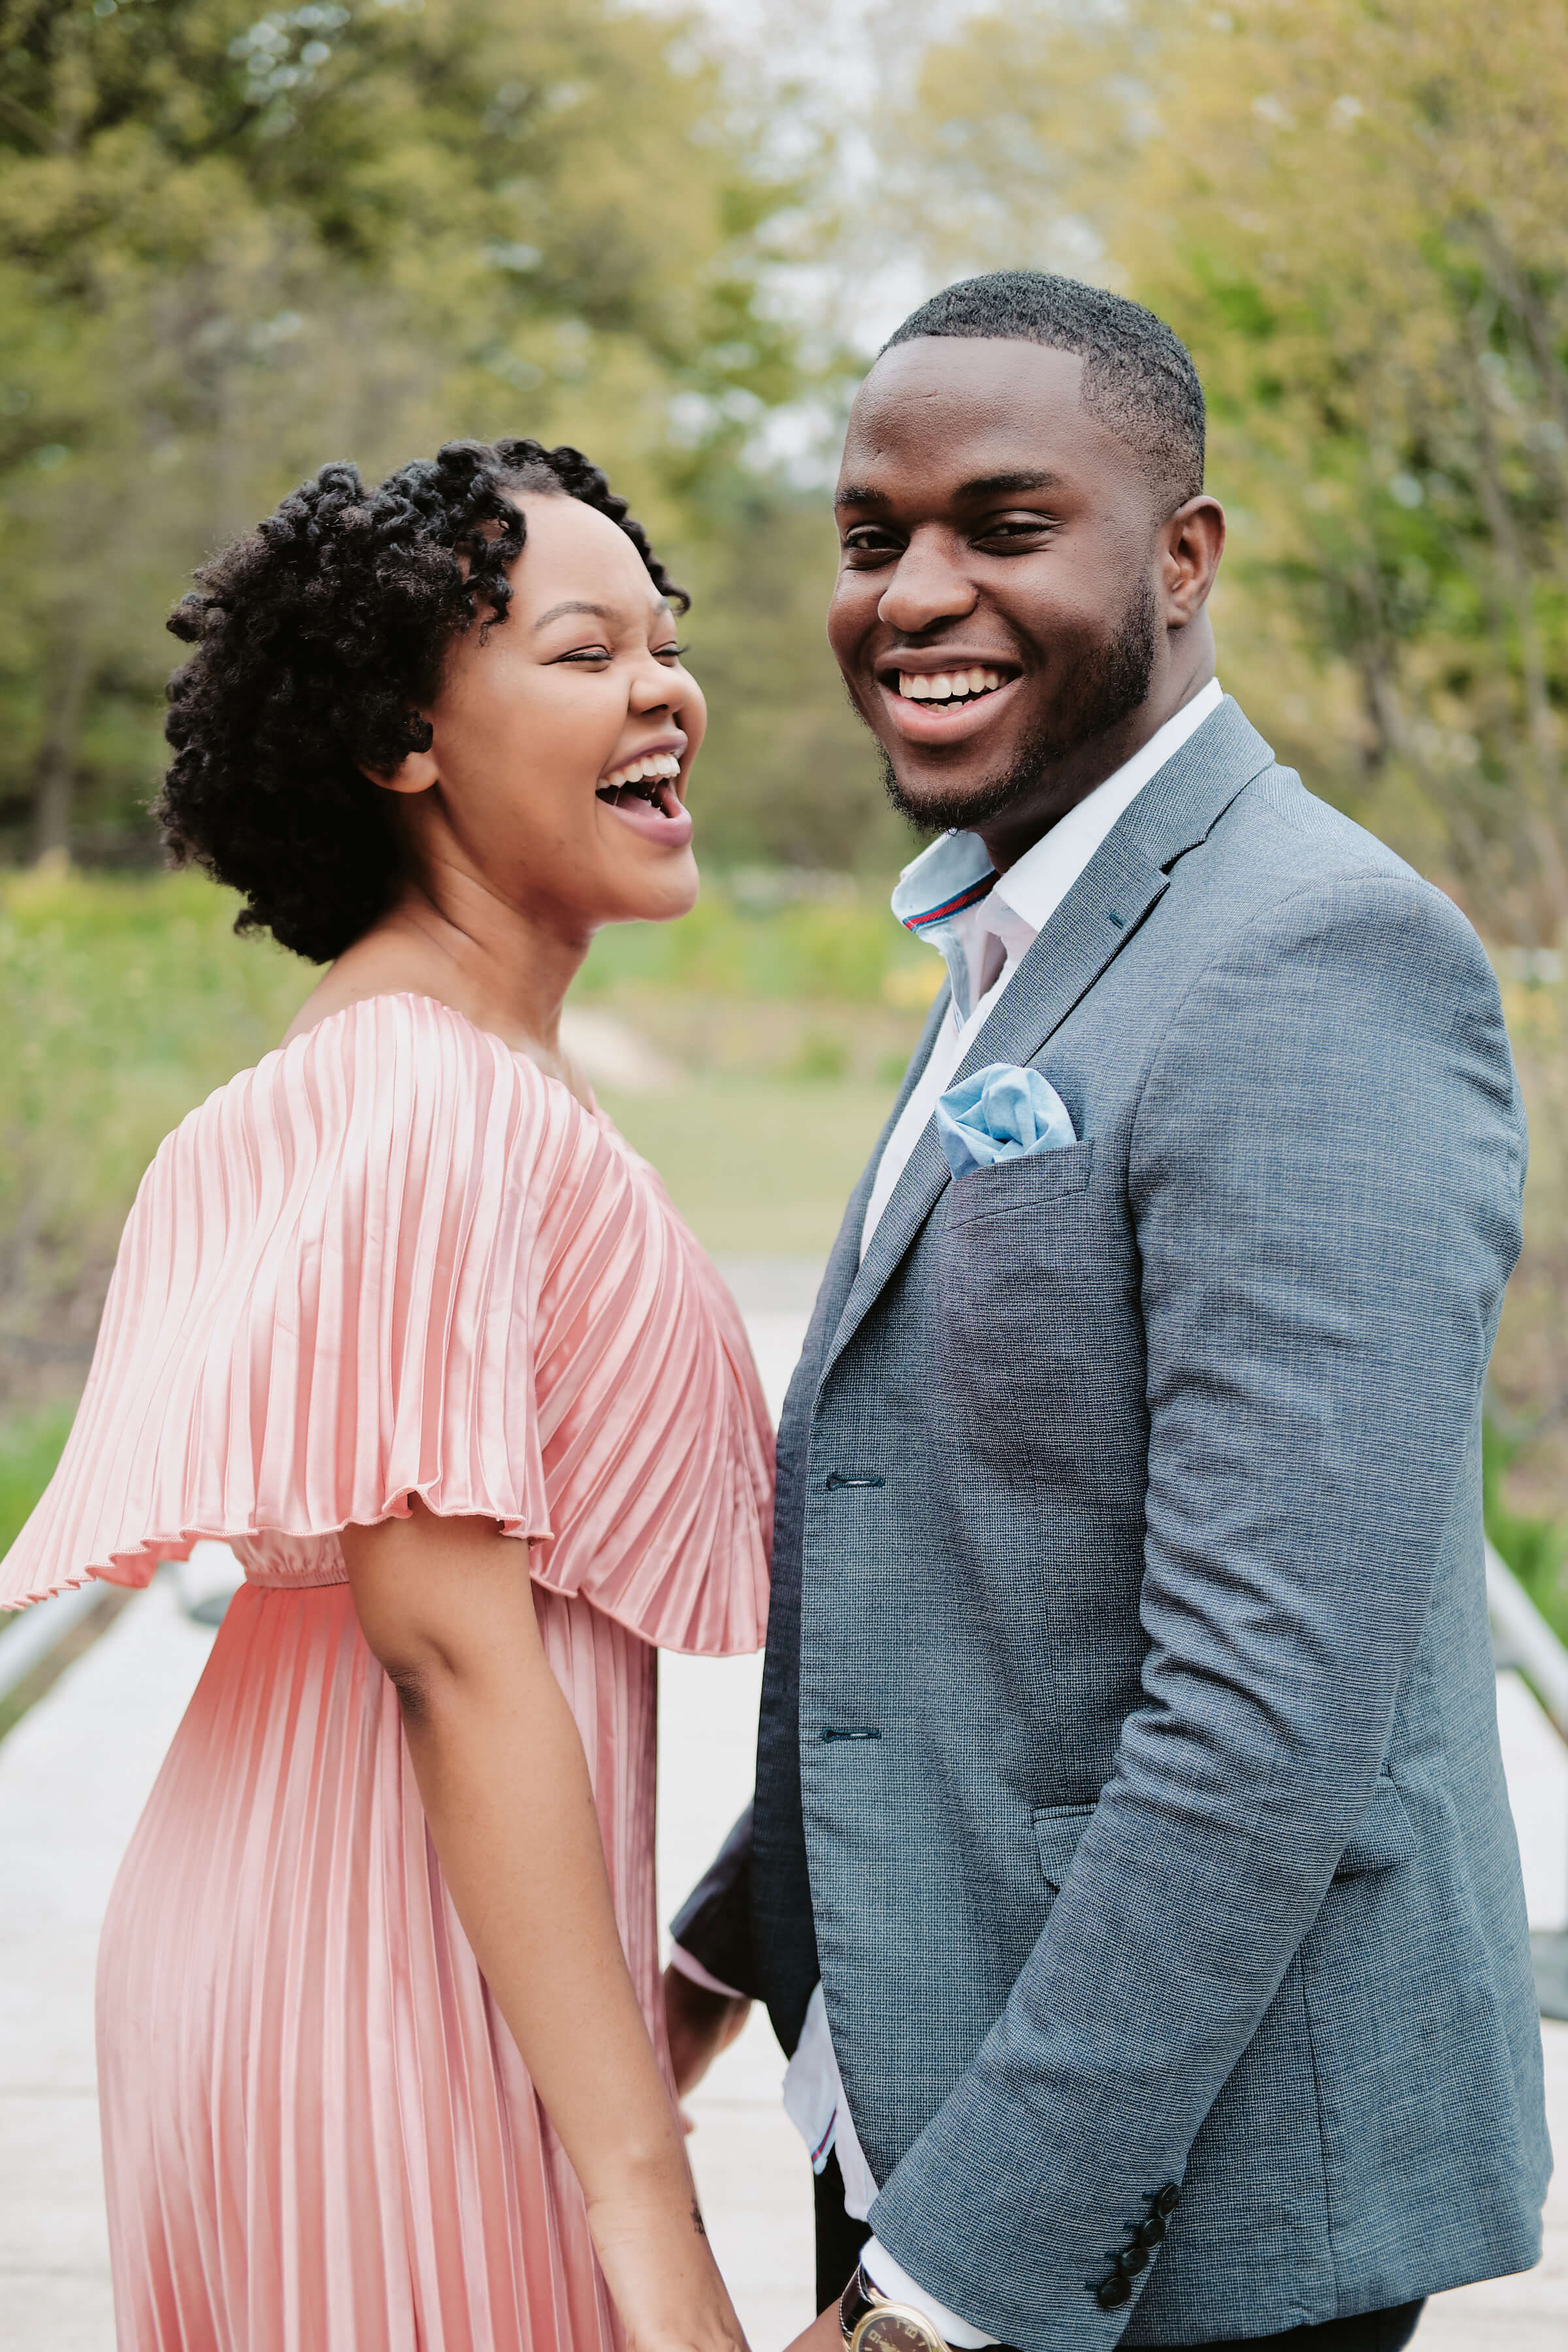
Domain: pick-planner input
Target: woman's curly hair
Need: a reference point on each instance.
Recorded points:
(318, 636)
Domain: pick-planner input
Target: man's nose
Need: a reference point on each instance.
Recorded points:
(929, 585)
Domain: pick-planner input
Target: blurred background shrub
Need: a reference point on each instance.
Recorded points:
(237, 242)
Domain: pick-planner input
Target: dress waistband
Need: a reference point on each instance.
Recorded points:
(293, 1583)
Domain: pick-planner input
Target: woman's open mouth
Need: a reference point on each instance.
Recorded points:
(651, 779)
(644, 792)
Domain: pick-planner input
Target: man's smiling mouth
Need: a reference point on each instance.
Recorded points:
(949, 687)
(943, 710)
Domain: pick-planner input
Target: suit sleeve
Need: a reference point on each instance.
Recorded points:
(1324, 1175)
(714, 1923)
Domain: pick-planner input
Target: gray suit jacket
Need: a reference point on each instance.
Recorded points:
(1129, 1728)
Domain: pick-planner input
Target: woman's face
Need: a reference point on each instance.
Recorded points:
(563, 739)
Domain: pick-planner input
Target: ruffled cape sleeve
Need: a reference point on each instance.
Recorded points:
(395, 1260)
(321, 1306)
(655, 1430)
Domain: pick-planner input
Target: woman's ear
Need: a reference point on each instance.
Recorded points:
(415, 773)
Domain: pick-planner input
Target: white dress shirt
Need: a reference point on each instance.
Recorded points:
(991, 930)
(985, 924)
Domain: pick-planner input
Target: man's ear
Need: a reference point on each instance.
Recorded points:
(1194, 542)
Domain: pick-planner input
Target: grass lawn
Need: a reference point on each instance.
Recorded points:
(761, 1169)
(123, 1000)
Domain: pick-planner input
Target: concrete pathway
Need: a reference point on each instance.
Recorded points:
(74, 1774)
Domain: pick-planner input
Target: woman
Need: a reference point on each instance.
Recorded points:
(399, 1315)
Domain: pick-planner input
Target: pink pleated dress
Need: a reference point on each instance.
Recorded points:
(393, 1259)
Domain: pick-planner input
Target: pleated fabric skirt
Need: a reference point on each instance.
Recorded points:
(318, 2136)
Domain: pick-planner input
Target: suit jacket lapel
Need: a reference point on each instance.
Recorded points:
(843, 1262)
(1178, 808)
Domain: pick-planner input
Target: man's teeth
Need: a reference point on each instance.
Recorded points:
(948, 684)
(657, 767)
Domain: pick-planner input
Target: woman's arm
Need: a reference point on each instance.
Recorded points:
(447, 1608)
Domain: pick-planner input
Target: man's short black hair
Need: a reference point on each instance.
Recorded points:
(1138, 377)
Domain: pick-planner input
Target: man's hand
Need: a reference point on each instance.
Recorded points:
(824, 2334)
(701, 2024)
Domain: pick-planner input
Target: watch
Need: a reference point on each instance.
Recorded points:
(872, 2322)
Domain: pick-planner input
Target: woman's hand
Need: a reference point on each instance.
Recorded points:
(661, 2283)
(824, 2334)
(447, 1608)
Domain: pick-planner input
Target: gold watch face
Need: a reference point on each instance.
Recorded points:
(893, 2327)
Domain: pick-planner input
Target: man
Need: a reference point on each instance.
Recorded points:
(1128, 1772)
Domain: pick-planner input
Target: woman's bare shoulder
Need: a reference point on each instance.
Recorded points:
(374, 967)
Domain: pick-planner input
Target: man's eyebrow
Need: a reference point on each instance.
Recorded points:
(985, 485)
(991, 486)
(599, 612)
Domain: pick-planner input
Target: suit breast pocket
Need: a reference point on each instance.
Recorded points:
(1039, 1332)
(1035, 1181)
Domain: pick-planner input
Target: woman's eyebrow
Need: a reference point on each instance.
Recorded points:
(575, 605)
(599, 612)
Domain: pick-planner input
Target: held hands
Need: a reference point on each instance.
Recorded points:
(661, 2273)
(824, 2334)
(660, 2270)
(700, 2025)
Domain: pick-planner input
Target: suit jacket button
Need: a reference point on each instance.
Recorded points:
(1114, 2292)
(1151, 2233)
(1133, 2257)
(1166, 2202)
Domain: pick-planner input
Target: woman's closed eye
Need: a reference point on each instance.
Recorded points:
(601, 654)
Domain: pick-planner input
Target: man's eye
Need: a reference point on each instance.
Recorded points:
(868, 542)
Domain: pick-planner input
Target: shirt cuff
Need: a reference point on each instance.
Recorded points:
(897, 2285)
(684, 1965)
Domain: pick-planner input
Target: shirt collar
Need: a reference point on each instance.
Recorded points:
(1036, 885)
(955, 873)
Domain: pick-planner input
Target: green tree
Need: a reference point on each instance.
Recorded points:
(789, 776)
(233, 245)
(1351, 209)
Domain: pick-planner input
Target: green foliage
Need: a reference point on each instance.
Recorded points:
(30, 1445)
(124, 1003)
(234, 244)
(844, 950)
(787, 775)
(1351, 210)
(1535, 1549)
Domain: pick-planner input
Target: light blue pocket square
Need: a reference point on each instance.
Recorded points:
(1001, 1113)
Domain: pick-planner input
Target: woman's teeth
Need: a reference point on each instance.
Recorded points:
(652, 779)
(948, 684)
(648, 778)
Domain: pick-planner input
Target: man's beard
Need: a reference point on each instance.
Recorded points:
(1109, 686)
